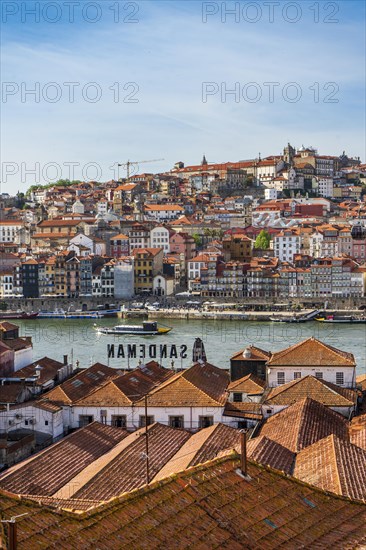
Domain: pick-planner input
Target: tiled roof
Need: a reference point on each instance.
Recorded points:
(250, 384)
(357, 431)
(48, 371)
(255, 354)
(82, 384)
(270, 453)
(325, 392)
(210, 506)
(361, 380)
(11, 393)
(334, 465)
(129, 387)
(46, 472)
(201, 447)
(243, 410)
(127, 470)
(202, 385)
(311, 352)
(304, 423)
(5, 326)
(17, 344)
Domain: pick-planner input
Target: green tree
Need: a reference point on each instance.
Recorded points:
(197, 239)
(263, 240)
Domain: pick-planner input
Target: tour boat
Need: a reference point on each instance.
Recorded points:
(17, 315)
(341, 319)
(61, 314)
(148, 328)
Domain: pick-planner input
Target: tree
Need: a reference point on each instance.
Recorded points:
(197, 239)
(263, 240)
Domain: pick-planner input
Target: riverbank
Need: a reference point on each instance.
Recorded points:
(231, 315)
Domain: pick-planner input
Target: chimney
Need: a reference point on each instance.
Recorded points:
(65, 359)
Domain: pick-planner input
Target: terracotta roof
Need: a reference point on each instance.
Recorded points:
(311, 352)
(201, 447)
(361, 381)
(250, 384)
(49, 370)
(357, 431)
(270, 453)
(202, 385)
(127, 470)
(83, 383)
(256, 354)
(209, 506)
(164, 207)
(243, 410)
(326, 393)
(128, 387)
(5, 326)
(334, 465)
(11, 393)
(46, 472)
(304, 423)
(16, 344)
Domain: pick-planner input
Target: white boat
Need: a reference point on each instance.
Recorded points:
(148, 328)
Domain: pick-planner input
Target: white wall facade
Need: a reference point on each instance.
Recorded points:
(22, 358)
(32, 418)
(329, 375)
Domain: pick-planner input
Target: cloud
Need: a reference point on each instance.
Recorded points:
(168, 55)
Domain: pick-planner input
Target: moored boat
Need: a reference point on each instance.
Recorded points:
(342, 319)
(148, 328)
(17, 315)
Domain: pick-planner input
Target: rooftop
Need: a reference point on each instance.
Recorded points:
(311, 352)
(208, 506)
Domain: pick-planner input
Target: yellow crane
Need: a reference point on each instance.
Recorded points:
(130, 163)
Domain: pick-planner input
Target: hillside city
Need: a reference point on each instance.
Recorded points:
(284, 226)
(268, 453)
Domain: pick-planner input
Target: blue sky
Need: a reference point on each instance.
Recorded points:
(168, 54)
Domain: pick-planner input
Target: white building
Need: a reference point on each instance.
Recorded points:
(38, 416)
(9, 230)
(270, 194)
(286, 244)
(315, 358)
(325, 186)
(124, 278)
(159, 238)
(163, 212)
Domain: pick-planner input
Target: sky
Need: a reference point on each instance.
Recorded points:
(116, 81)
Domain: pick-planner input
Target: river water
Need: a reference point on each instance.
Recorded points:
(79, 340)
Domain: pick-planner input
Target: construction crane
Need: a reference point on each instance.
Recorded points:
(130, 163)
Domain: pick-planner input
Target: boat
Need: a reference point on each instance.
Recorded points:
(148, 328)
(61, 314)
(342, 319)
(17, 315)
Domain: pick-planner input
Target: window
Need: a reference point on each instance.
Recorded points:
(119, 421)
(176, 421)
(237, 397)
(319, 375)
(85, 419)
(46, 422)
(205, 421)
(297, 375)
(150, 420)
(280, 378)
(340, 378)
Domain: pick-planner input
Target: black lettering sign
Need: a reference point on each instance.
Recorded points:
(152, 351)
(131, 351)
(173, 352)
(183, 351)
(142, 351)
(121, 352)
(110, 350)
(163, 351)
